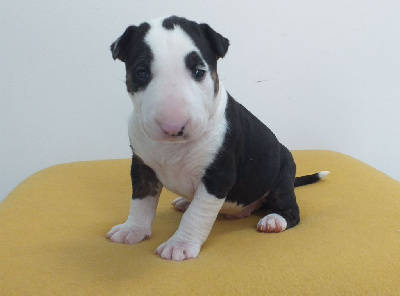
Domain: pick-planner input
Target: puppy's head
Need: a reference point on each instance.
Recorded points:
(171, 75)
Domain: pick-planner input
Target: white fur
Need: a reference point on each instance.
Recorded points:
(138, 225)
(194, 228)
(272, 223)
(323, 174)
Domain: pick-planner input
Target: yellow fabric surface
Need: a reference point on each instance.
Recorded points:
(53, 226)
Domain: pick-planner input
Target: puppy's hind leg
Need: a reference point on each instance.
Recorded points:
(282, 201)
(181, 204)
(285, 213)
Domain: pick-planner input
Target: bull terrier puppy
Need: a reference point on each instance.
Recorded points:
(188, 134)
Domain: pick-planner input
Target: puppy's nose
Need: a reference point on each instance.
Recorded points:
(173, 129)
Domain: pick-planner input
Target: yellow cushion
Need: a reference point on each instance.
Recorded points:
(53, 226)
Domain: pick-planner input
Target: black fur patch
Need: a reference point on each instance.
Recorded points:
(193, 60)
(305, 180)
(137, 56)
(169, 23)
(144, 180)
(250, 163)
(250, 149)
(211, 44)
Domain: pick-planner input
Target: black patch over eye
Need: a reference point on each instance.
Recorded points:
(194, 63)
(138, 64)
(138, 77)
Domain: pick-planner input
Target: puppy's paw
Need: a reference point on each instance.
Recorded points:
(178, 250)
(272, 223)
(129, 234)
(181, 204)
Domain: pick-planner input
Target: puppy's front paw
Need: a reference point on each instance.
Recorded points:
(178, 250)
(272, 223)
(127, 233)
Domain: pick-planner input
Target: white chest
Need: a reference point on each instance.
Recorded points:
(181, 177)
(179, 166)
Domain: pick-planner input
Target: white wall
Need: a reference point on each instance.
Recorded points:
(329, 72)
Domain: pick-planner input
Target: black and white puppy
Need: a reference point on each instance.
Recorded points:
(189, 135)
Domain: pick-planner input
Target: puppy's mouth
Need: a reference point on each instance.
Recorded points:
(180, 136)
(160, 135)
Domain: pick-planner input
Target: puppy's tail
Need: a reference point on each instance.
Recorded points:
(309, 179)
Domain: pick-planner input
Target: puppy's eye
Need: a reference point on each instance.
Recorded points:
(198, 74)
(143, 73)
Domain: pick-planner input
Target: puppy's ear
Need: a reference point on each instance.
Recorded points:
(120, 46)
(218, 42)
